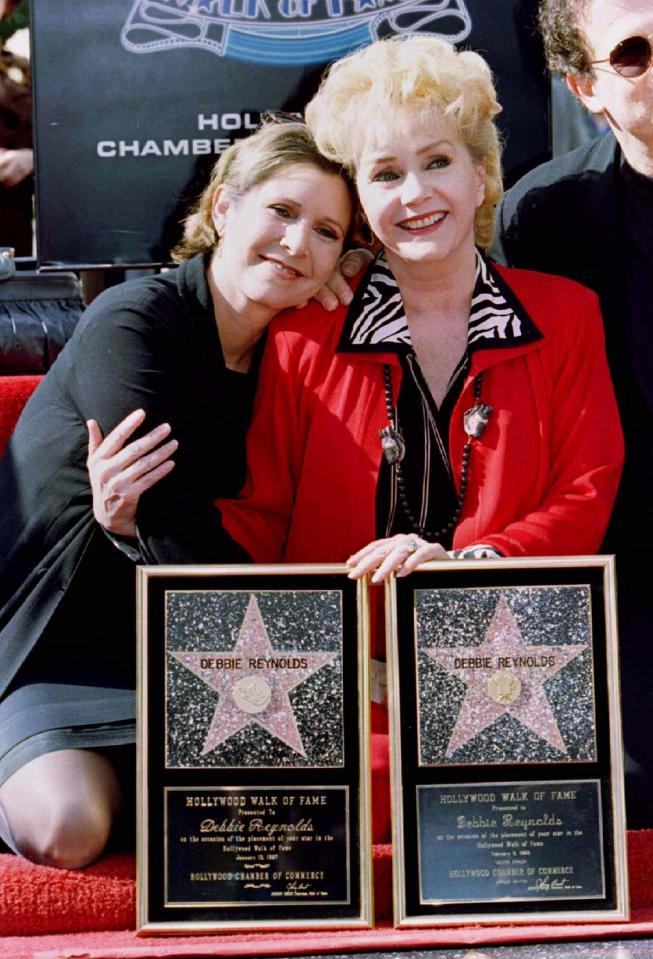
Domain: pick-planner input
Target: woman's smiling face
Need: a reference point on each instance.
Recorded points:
(419, 187)
(281, 239)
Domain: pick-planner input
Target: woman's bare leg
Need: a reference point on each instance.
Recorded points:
(60, 807)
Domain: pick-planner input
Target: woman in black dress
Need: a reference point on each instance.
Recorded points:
(182, 349)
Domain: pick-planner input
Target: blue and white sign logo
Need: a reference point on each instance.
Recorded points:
(286, 32)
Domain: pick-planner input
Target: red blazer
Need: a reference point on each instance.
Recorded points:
(542, 479)
(543, 476)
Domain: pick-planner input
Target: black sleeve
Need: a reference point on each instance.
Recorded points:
(135, 350)
(497, 251)
(545, 221)
(512, 243)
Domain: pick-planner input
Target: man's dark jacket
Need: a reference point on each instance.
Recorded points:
(564, 218)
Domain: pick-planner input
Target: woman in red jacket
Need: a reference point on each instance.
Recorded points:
(455, 407)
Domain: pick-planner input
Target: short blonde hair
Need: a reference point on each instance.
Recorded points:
(245, 164)
(418, 71)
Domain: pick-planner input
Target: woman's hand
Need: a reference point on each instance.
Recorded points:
(15, 166)
(336, 290)
(402, 553)
(120, 474)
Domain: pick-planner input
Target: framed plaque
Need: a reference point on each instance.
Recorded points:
(253, 782)
(506, 753)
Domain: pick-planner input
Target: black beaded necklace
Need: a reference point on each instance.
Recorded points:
(394, 448)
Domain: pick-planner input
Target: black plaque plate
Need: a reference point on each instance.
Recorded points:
(506, 743)
(253, 731)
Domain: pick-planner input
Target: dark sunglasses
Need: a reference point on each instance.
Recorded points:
(630, 58)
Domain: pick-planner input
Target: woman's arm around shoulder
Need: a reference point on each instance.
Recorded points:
(135, 350)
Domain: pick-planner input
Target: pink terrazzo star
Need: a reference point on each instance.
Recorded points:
(253, 688)
(506, 653)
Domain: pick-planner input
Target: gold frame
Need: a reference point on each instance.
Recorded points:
(361, 882)
(616, 865)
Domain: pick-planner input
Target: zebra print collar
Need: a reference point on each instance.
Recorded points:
(376, 320)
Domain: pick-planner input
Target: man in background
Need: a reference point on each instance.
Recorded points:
(16, 157)
(588, 215)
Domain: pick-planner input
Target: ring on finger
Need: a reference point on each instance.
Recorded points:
(412, 544)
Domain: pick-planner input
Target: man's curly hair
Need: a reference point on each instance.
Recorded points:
(565, 45)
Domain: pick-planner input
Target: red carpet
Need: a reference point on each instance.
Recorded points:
(53, 914)
(14, 393)
(125, 945)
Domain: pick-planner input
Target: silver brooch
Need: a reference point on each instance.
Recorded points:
(476, 419)
(392, 444)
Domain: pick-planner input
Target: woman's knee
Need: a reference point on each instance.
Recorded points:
(60, 808)
(71, 835)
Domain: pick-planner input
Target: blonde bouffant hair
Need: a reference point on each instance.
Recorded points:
(246, 163)
(360, 92)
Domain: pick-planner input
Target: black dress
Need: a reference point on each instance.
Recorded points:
(67, 623)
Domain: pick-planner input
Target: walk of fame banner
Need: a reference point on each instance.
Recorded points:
(253, 731)
(135, 99)
(506, 753)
